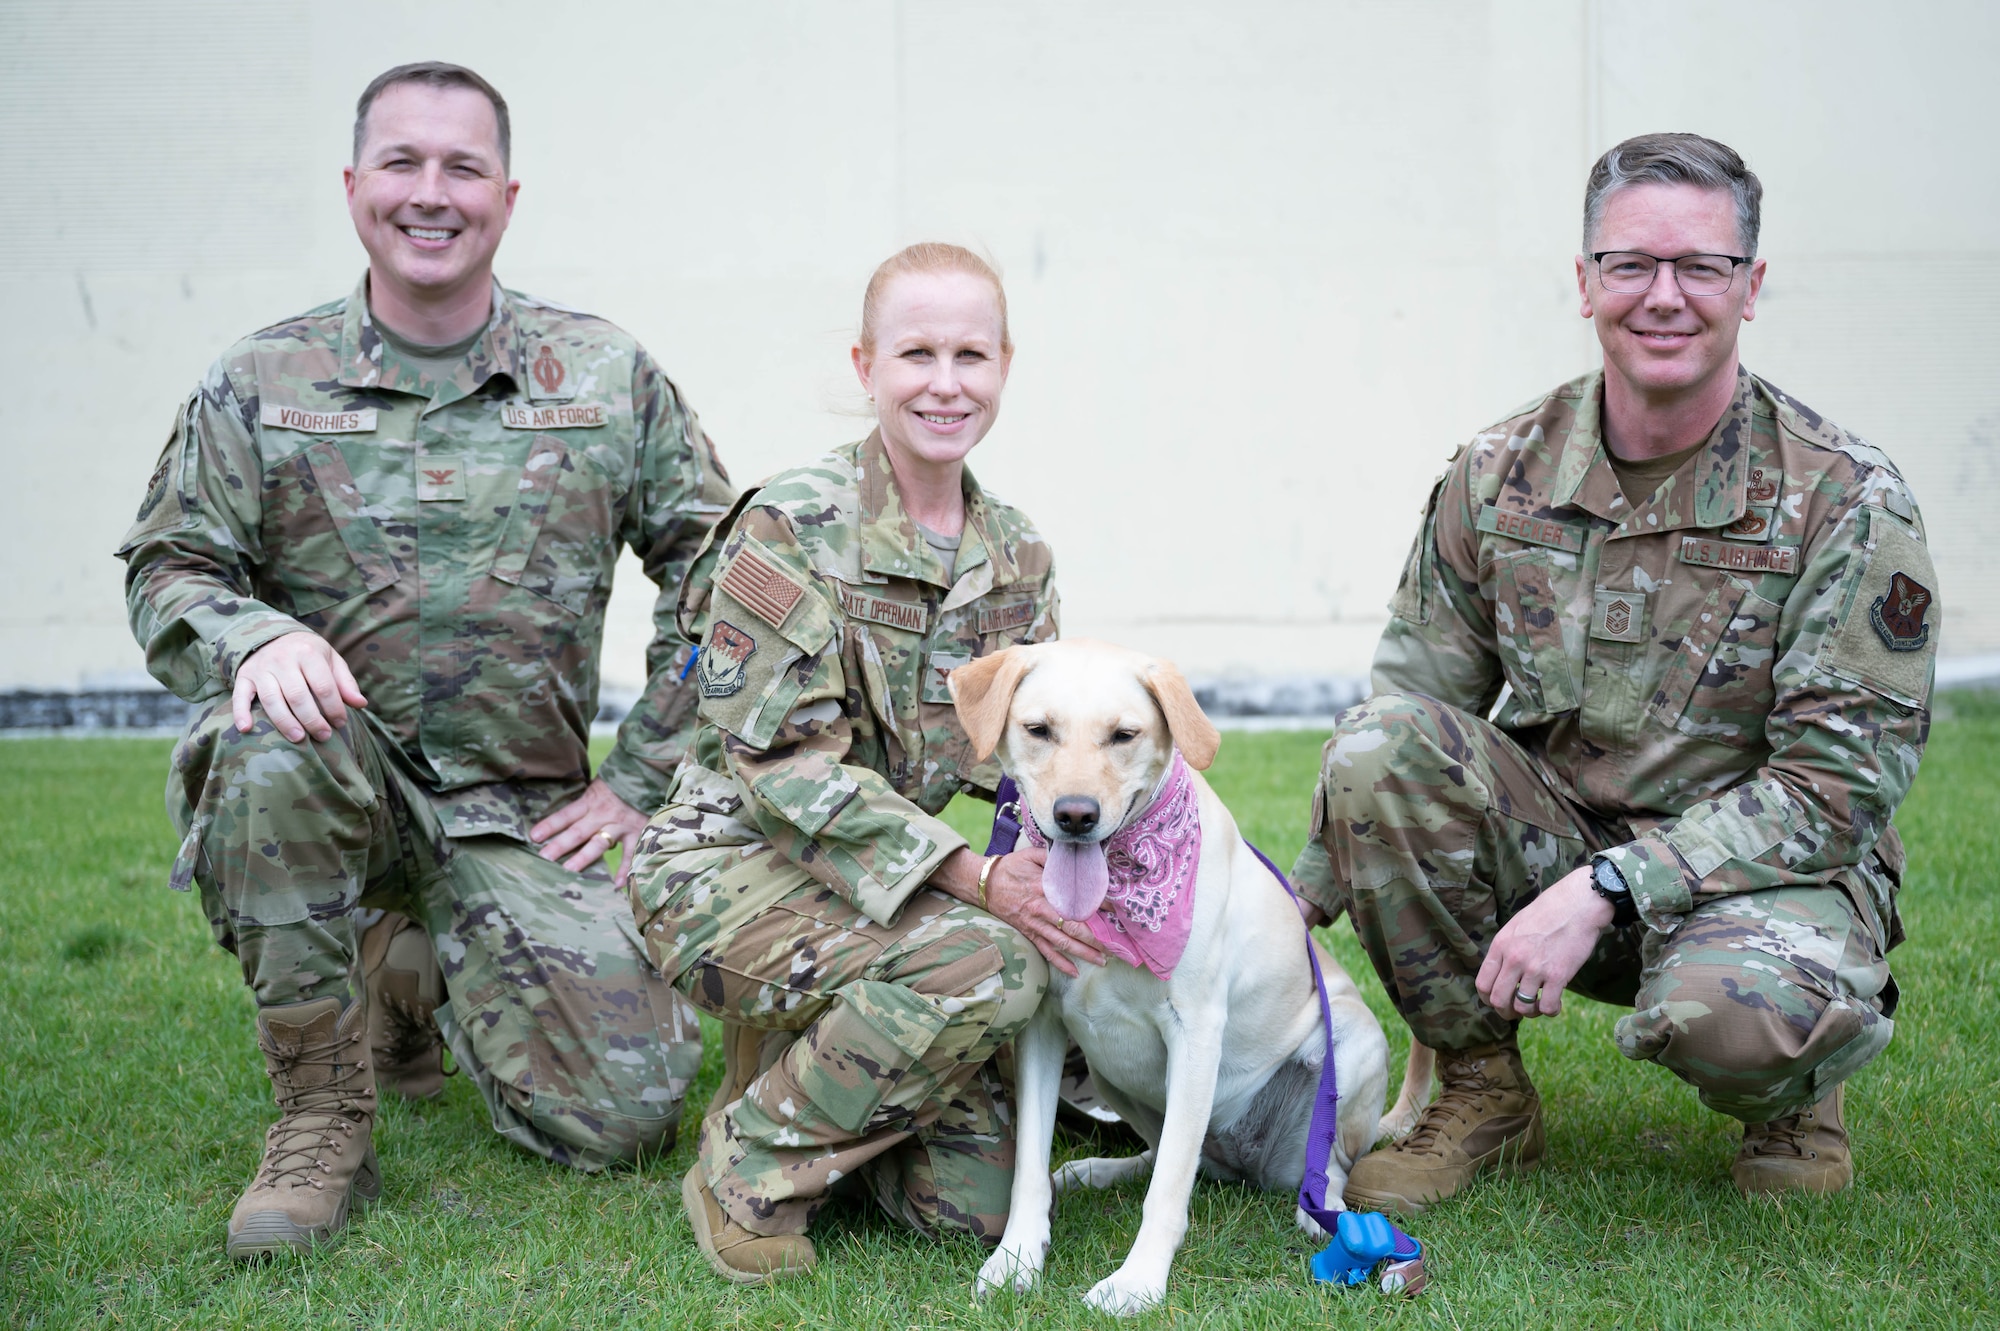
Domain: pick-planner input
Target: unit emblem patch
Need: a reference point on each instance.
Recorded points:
(1899, 615)
(724, 661)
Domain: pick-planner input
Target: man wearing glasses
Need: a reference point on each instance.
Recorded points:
(1708, 618)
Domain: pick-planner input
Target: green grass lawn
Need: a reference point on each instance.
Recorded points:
(133, 1107)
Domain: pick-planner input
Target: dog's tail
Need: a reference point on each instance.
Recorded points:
(1416, 1093)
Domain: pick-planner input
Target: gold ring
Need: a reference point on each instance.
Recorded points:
(607, 834)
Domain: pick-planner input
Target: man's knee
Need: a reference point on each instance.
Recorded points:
(1387, 739)
(1755, 1043)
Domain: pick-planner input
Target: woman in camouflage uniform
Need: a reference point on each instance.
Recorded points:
(799, 881)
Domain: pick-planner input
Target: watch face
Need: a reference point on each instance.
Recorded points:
(1607, 876)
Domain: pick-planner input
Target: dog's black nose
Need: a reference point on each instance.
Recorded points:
(1076, 814)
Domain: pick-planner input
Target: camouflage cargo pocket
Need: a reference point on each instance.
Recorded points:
(1732, 695)
(557, 540)
(328, 550)
(1528, 615)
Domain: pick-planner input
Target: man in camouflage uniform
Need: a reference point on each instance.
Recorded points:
(1712, 614)
(389, 525)
(792, 885)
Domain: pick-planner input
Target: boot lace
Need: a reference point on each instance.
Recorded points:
(314, 1118)
(1784, 1136)
(1465, 1085)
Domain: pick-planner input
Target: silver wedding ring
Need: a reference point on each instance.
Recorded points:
(1525, 998)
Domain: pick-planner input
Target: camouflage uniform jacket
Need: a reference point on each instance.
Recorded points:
(1741, 666)
(454, 542)
(826, 729)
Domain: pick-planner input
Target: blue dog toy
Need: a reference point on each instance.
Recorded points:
(1361, 1242)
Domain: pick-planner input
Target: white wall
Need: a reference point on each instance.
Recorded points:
(1268, 262)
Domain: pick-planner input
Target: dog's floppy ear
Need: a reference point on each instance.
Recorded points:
(983, 690)
(1190, 727)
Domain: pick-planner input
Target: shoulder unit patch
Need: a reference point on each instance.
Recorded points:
(1898, 614)
(724, 660)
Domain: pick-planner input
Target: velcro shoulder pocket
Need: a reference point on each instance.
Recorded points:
(1886, 636)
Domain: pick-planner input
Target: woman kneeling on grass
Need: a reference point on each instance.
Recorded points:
(799, 882)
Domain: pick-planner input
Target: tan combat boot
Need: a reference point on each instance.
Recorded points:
(1487, 1119)
(405, 986)
(318, 1155)
(739, 1256)
(1802, 1152)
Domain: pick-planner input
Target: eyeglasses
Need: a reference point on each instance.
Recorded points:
(1628, 271)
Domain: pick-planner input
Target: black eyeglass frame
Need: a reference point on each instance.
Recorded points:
(1735, 262)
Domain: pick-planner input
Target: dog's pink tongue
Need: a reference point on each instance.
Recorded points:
(1076, 878)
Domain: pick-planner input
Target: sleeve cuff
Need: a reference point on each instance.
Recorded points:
(884, 901)
(1662, 887)
(246, 635)
(1314, 881)
(636, 782)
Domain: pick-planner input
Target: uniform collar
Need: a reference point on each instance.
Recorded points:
(1707, 492)
(892, 546)
(368, 361)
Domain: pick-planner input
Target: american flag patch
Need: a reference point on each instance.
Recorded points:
(761, 587)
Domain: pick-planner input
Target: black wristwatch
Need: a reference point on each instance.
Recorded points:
(1607, 882)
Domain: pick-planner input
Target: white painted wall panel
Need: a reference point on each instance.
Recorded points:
(1269, 262)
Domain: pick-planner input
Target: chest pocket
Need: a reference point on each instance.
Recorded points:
(331, 547)
(1529, 598)
(1719, 685)
(559, 529)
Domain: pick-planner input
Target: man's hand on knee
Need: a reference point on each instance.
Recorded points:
(588, 827)
(302, 684)
(1540, 950)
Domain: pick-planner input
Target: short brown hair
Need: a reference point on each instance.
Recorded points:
(1675, 159)
(434, 74)
(928, 257)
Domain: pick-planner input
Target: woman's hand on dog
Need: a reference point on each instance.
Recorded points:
(1014, 894)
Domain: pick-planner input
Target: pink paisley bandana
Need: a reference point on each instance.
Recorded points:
(1144, 913)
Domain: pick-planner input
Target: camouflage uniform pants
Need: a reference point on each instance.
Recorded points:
(887, 1072)
(581, 1052)
(1433, 828)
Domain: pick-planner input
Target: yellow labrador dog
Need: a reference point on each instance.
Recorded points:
(1205, 1034)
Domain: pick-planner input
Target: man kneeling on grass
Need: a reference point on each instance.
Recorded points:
(1713, 613)
(377, 551)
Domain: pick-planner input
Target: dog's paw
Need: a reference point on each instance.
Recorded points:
(1125, 1292)
(1311, 1227)
(1100, 1171)
(1013, 1265)
(1396, 1125)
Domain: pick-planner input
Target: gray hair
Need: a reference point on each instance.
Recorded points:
(1675, 159)
(434, 74)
